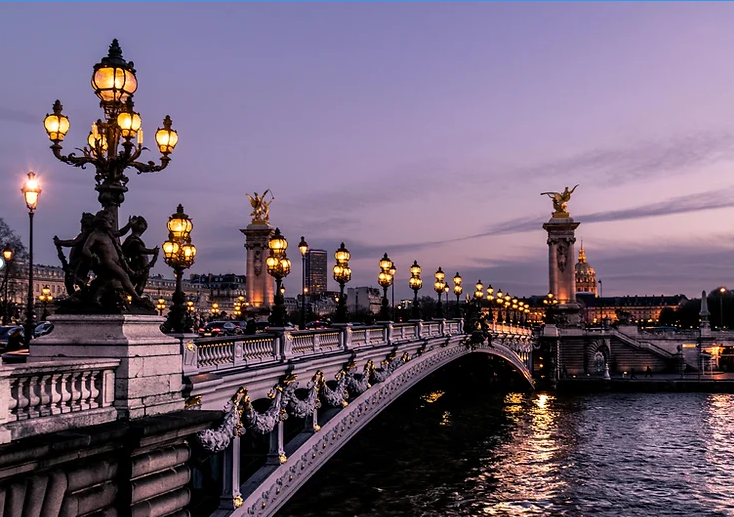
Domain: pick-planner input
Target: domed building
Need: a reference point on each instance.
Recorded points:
(585, 275)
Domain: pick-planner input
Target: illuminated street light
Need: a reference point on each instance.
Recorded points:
(110, 148)
(279, 266)
(179, 253)
(31, 192)
(415, 283)
(342, 274)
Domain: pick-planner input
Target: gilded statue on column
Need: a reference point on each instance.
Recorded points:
(560, 201)
(260, 207)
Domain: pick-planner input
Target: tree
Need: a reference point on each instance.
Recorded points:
(14, 272)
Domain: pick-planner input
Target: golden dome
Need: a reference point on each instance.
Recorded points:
(585, 274)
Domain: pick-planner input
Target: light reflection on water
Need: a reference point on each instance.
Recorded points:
(534, 454)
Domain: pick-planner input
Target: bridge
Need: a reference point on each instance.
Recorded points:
(85, 433)
(369, 367)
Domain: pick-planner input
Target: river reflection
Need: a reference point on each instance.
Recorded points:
(471, 452)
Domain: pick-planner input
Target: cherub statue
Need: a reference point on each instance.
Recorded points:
(560, 200)
(103, 252)
(136, 254)
(260, 207)
(76, 270)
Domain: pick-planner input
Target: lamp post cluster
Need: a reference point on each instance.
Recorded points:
(439, 286)
(415, 283)
(342, 274)
(278, 267)
(215, 310)
(385, 279)
(110, 148)
(239, 305)
(179, 253)
(8, 260)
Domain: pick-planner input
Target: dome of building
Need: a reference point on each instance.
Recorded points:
(585, 274)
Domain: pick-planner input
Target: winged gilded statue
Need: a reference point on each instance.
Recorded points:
(260, 207)
(560, 201)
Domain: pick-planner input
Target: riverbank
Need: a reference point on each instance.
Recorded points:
(716, 382)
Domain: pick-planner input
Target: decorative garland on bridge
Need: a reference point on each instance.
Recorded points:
(239, 413)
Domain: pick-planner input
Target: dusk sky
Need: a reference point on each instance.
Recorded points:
(424, 130)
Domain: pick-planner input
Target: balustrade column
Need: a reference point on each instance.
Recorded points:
(231, 476)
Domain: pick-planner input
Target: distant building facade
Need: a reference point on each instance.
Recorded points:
(364, 299)
(316, 271)
(585, 275)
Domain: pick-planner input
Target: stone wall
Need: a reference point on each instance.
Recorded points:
(140, 468)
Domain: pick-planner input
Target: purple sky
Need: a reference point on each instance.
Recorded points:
(426, 130)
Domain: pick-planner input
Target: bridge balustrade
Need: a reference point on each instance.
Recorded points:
(42, 397)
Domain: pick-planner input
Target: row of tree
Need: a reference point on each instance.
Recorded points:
(720, 305)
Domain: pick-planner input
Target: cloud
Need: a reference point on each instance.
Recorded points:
(709, 200)
(12, 115)
(642, 160)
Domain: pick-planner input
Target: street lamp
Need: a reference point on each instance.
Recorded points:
(179, 253)
(415, 283)
(31, 191)
(458, 289)
(215, 309)
(45, 297)
(385, 281)
(110, 147)
(278, 267)
(303, 248)
(722, 290)
(161, 306)
(439, 286)
(8, 257)
(342, 274)
(392, 272)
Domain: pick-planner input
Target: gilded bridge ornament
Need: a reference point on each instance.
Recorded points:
(560, 201)
(260, 208)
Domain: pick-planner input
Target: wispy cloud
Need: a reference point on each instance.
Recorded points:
(709, 200)
(646, 159)
(12, 115)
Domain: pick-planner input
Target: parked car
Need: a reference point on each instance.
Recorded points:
(318, 324)
(5, 332)
(43, 328)
(219, 328)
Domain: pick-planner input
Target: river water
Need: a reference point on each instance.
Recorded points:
(453, 446)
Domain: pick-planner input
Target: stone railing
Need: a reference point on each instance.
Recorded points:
(43, 397)
(221, 353)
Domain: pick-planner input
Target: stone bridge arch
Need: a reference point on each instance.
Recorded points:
(273, 485)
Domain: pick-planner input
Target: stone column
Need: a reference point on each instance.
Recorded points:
(561, 269)
(260, 286)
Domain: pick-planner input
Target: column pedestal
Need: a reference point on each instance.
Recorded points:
(149, 378)
(561, 270)
(260, 288)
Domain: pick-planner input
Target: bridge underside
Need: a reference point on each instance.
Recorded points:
(271, 487)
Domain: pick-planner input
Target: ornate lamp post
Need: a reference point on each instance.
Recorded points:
(110, 142)
(342, 274)
(8, 257)
(160, 306)
(439, 286)
(179, 253)
(458, 290)
(385, 281)
(31, 191)
(478, 294)
(722, 290)
(392, 272)
(45, 297)
(278, 267)
(415, 284)
(215, 310)
(303, 248)
(490, 299)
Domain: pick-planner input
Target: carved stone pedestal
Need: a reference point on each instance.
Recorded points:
(148, 380)
(561, 271)
(260, 288)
